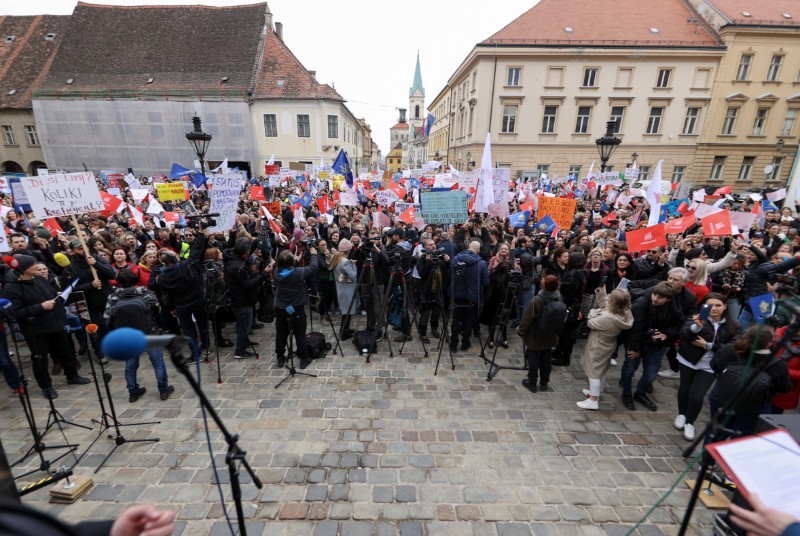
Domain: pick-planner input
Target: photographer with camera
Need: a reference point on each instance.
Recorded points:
(429, 278)
(401, 257)
(372, 261)
(243, 284)
(291, 297)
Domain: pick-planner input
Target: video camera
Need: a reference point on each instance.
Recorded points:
(459, 269)
(435, 255)
(205, 220)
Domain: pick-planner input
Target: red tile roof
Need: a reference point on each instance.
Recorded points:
(400, 126)
(282, 76)
(183, 48)
(25, 61)
(622, 23)
(762, 12)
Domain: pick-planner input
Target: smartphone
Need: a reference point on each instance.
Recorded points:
(623, 284)
(705, 312)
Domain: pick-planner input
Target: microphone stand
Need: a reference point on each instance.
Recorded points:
(235, 455)
(118, 438)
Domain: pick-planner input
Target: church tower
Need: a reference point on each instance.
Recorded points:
(416, 102)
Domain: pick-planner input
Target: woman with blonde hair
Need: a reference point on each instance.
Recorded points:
(611, 316)
(698, 278)
(345, 277)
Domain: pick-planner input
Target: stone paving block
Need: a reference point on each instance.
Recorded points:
(514, 529)
(382, 494)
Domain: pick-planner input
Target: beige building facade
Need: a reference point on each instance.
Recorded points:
(439, 135)
(750, 135)
(21, 149)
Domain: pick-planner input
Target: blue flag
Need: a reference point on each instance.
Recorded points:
(413, 182)
(178, 171)
(300, 179)
(293, 199)
(520, 219)
(342, 166)
(546, 225)
(768, 205)
(305, 199)
(762, 306)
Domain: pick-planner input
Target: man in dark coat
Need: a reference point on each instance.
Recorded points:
(242, 284)
(471, 277)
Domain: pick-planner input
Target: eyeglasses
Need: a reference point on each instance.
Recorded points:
(653, 251)
(691, 267)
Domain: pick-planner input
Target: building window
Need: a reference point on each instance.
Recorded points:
(509, 118)
(549, 120)
(303, 126)
(33, 136)
(574, 172)
(416, 111)
(617, 114)
(542, 169)
(690, 121)
(664, 76)
(644, 173)
(743, 72)
(760, 121)
(729, 123)
(270, 125)
(333, 126)
(701, 78)
(678, 173)
(8, 134)
(774, 68)
(513, 76)
(789, 121)
(717, 168)
(746, 169)
(582, 122)
(777, 163)
(590, 77)
(654, 121)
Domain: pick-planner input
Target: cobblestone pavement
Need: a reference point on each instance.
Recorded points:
(380, 448)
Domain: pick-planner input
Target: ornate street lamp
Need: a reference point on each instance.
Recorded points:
(607, 144)
(200, 141)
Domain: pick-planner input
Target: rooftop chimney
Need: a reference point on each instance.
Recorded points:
(313, 73)
(268, 17)
(279, 30)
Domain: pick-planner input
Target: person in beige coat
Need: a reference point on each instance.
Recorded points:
(611, 316)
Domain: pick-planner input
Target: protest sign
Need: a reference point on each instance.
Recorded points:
(649, 237)
(139, 194)
(718, 224)
(679, 225)
(274, 181)
(385, 197)
(4, 187)
(4, 246)
(171, 191)
(348, 199)
(401, 207)
(468, 181)
(18, 193)
(189, 209)
(561, 209)
(444, 180)
(274, 207)
(743, 220)
(271, 170)
(444, 207)
(62, 194)
(225, 200)
(498, 206)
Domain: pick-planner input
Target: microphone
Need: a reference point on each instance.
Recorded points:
(126, 343)
(61, 260)
(91, 329)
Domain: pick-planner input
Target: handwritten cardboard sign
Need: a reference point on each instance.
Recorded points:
(561, 209)
(225, 200)
(62, 194)
(274, 207)
(171, 191)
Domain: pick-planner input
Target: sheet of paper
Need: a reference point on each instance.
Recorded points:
(766, 464)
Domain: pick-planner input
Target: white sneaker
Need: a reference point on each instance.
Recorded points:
(679, 423)
(669, 374)
(586, 392)
(589, 404)
(613, 362)
(688, 432)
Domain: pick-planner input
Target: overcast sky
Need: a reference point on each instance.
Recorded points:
(366, 49)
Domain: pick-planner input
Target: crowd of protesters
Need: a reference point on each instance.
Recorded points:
(688, 300)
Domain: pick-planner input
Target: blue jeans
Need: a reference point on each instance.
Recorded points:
(650, 357)
(244, 323)
(157, 360)
(523, 298)
(186, 323)
(10, 371)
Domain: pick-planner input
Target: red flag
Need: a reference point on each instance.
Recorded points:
(679, 225)
(336, 196)
(257, 193)
(52, 225)
(454, 187)
(607, 219)
(683, 207)
(171, 217)
(322, 204)
(674, 186)
(407, 216)
(643, 239)
(554, 234)
(272, 222)
(111, 202)
(717, 224)
(526, 206)
(398, 191)
(756, 207)
(725, 190)
(590, 185)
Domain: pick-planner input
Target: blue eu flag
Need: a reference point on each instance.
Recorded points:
(342, 166)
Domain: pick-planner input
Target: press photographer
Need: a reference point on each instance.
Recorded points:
(372, 260)
(243, 284)
(291, 298)
(429, 279)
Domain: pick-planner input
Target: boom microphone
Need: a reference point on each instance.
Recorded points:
(61, 260)
(126, 343)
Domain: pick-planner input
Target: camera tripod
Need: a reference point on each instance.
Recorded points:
(290, 353)
(370, 290)
(434, 275)
(212, 306)
(327, 316)
(506, 307)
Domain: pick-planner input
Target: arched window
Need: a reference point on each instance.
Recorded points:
(416, 111)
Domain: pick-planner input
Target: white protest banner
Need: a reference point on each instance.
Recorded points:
(3, 239)
(348, 199)
(139, 194)
(743, 220)
(444, 180)
(385, 197)
(498, 206)
(399, 208)
(225, 200)
(777, 195)
(4, 187)
(631, 174)
(62, 195)
(704, 210)
(468, 181)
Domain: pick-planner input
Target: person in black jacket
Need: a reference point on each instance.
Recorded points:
(657, 322)
(243, 284)
(373, 259)
(291, 298)
(41, 317)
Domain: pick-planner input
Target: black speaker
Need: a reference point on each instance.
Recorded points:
(791, 423)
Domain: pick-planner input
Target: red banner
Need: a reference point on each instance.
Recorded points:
(643, 239)
(257, 193)
(679, 225)
(717, 224)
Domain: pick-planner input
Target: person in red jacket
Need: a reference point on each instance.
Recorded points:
(146, 264)
(787, 401)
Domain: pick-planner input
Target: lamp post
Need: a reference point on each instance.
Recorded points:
(199, 141)
(607, 144)
(634, 156)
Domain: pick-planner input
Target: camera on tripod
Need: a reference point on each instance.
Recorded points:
(206, 220)
(264, 242)
(435, 255)
(514, 276)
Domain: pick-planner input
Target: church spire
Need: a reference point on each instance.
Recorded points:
(417, 81)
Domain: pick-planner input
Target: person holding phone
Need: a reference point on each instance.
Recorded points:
(701, 336)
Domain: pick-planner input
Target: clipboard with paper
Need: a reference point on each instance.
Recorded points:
(766, 464)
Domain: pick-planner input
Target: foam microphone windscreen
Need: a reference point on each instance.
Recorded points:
(124, 343)
(61, 260)
(91, 328)
(10, 261)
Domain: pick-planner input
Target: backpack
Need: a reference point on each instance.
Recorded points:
(754, 396)
(132, 311)
(552, 318)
